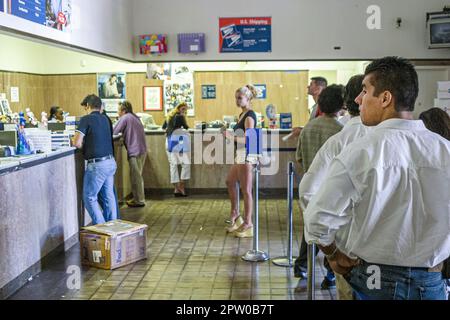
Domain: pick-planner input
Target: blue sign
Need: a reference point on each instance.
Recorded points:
(2, 8)
(32, 10)
(208, 91)
(262, 91)
(245, 34)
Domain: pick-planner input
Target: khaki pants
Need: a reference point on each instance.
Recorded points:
(343, 289)
(137, 182)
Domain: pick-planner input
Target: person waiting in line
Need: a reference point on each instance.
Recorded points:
(437, 120)
(241, 171)
(56, 114)
(314, 177)
(130, 126)
(315, 87)
(94, 136)
(312, 138)
(176, 121)
(389, 189)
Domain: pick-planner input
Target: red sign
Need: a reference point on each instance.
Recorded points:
(245, 34)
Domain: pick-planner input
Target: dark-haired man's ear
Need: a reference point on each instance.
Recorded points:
(387, 99)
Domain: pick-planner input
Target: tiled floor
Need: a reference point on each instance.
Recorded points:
(189, 257)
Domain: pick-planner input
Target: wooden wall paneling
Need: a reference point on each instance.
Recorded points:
(67, 91)
(286, 90)
(135, 84)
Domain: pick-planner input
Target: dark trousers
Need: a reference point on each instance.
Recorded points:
(301, 263)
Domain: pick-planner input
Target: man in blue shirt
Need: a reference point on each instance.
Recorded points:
(94, 136)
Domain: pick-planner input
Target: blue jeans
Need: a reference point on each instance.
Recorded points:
(102, 197)
(396, 283)
(99, 178)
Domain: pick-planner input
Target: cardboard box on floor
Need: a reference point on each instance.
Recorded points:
(113, 244)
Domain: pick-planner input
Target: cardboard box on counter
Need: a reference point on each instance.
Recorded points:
(113, 244)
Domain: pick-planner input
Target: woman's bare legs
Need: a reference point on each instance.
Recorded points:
(232, 180)
(245, 177)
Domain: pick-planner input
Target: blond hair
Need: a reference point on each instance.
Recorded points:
(175, 111)
(249, 91)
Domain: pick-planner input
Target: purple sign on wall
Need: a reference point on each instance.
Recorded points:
(191, 42)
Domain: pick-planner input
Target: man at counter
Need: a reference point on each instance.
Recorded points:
(134, 139)
(94, 136)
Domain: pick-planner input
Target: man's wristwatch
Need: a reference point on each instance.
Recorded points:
(332, 255)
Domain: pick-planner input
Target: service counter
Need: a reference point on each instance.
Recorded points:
(40, 212)
(206, 177)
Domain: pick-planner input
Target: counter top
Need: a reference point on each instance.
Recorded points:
(11, 164)
(213, 130)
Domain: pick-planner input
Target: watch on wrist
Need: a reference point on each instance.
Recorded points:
(333, 254)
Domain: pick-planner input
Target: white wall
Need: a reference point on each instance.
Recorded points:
(301, 29)
(99, 25)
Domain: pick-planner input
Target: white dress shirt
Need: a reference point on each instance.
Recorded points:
(311, 180)
(391, 190)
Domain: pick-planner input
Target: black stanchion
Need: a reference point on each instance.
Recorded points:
(287, 261)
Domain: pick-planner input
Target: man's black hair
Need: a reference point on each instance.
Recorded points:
(320, 81)
(92, 100)
(353, 90)
(399, 77)
(331, 99)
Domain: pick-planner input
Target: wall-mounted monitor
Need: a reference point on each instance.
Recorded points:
(438, 29)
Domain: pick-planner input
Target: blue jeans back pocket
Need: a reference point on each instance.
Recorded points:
(367, 287)
(433, 291)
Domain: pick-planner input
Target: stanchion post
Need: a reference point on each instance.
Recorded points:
(287, 261)
(238, 196)
(311, 271)
(255, 255)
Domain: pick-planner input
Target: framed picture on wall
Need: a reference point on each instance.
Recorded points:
(153, 98)
(111, 85)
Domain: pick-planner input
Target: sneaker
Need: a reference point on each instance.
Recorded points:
(328, 284)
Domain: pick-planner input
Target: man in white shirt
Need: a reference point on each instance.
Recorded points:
(383, 216)
(314, 177)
